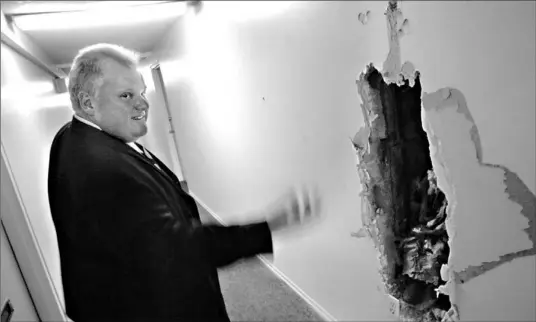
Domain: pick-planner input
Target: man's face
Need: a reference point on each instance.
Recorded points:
(120, 106)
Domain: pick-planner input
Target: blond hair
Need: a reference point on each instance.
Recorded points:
(86, 70)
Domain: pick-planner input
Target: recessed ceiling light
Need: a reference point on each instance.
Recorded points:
(107, 14)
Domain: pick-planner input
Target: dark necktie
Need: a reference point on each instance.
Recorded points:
(148, 156)
(152, 160)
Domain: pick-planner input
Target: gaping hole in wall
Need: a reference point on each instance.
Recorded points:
(404, 210)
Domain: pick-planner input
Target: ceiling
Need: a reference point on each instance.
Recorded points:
(63, 44)
(36, 7)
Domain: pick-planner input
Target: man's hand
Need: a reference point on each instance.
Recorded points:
(294, 209)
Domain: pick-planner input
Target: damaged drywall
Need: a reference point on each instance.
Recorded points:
(506, 293)
(363, 17)
(500, 205)
(393, 63)
(404, 210)
(437, 214)
(491, 212)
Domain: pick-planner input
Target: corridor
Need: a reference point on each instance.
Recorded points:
(249, 99)
(252, 292)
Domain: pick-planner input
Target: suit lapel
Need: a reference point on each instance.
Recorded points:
(164, 170)
(122, 147)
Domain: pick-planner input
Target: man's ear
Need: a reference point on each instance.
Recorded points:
(84, 99)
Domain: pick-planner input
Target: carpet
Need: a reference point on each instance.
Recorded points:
(252, 292)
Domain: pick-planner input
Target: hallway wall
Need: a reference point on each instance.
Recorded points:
(13, 284)
(158, 139)
(31, 115)
(454, 44)
(485, 51)
(263, 97)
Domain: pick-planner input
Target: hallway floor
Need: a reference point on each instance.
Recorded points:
(252, 292)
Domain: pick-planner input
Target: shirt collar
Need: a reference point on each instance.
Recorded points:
(131, 144)
(87, 122)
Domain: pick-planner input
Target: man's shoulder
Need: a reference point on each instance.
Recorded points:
(62, 132)
(78, 146)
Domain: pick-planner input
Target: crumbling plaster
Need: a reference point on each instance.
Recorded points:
(506, 293)
(490, 207)
(491, 212)
(490, 218)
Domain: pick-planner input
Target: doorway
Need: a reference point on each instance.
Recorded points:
(160, 92)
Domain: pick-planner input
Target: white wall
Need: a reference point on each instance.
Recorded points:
(263, 96)
(158, 139)
(31, 115)
(23, 40)
(485, 52)
(13, 284)
(487, 219)
(264, 99)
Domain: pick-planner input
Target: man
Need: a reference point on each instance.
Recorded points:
(131, 243)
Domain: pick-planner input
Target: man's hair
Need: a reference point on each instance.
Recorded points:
(86, 69)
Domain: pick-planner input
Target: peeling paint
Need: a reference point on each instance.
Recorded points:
(393, 64)
(393, 70)
(409, 73)
(489, 206)
(393, 162)
(450, 287)
(490, 211)
(519, 193)
(363, 17)
(506, 293)
(404, 28)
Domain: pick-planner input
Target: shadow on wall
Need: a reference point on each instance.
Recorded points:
(32, 113)
(51, 116)
(419, 221)
(485, 216)
(491, 222)
(404, 210)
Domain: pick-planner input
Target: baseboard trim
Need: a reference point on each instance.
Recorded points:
(325, 315)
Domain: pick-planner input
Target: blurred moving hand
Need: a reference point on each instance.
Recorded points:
(295, 209)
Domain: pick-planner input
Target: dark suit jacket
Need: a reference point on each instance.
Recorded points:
(131, 243)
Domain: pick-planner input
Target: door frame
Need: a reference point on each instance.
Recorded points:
(15, 218)
(19, 231)
(160, 90)
(7, 302)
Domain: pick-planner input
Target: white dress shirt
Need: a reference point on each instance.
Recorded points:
(131, 144)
